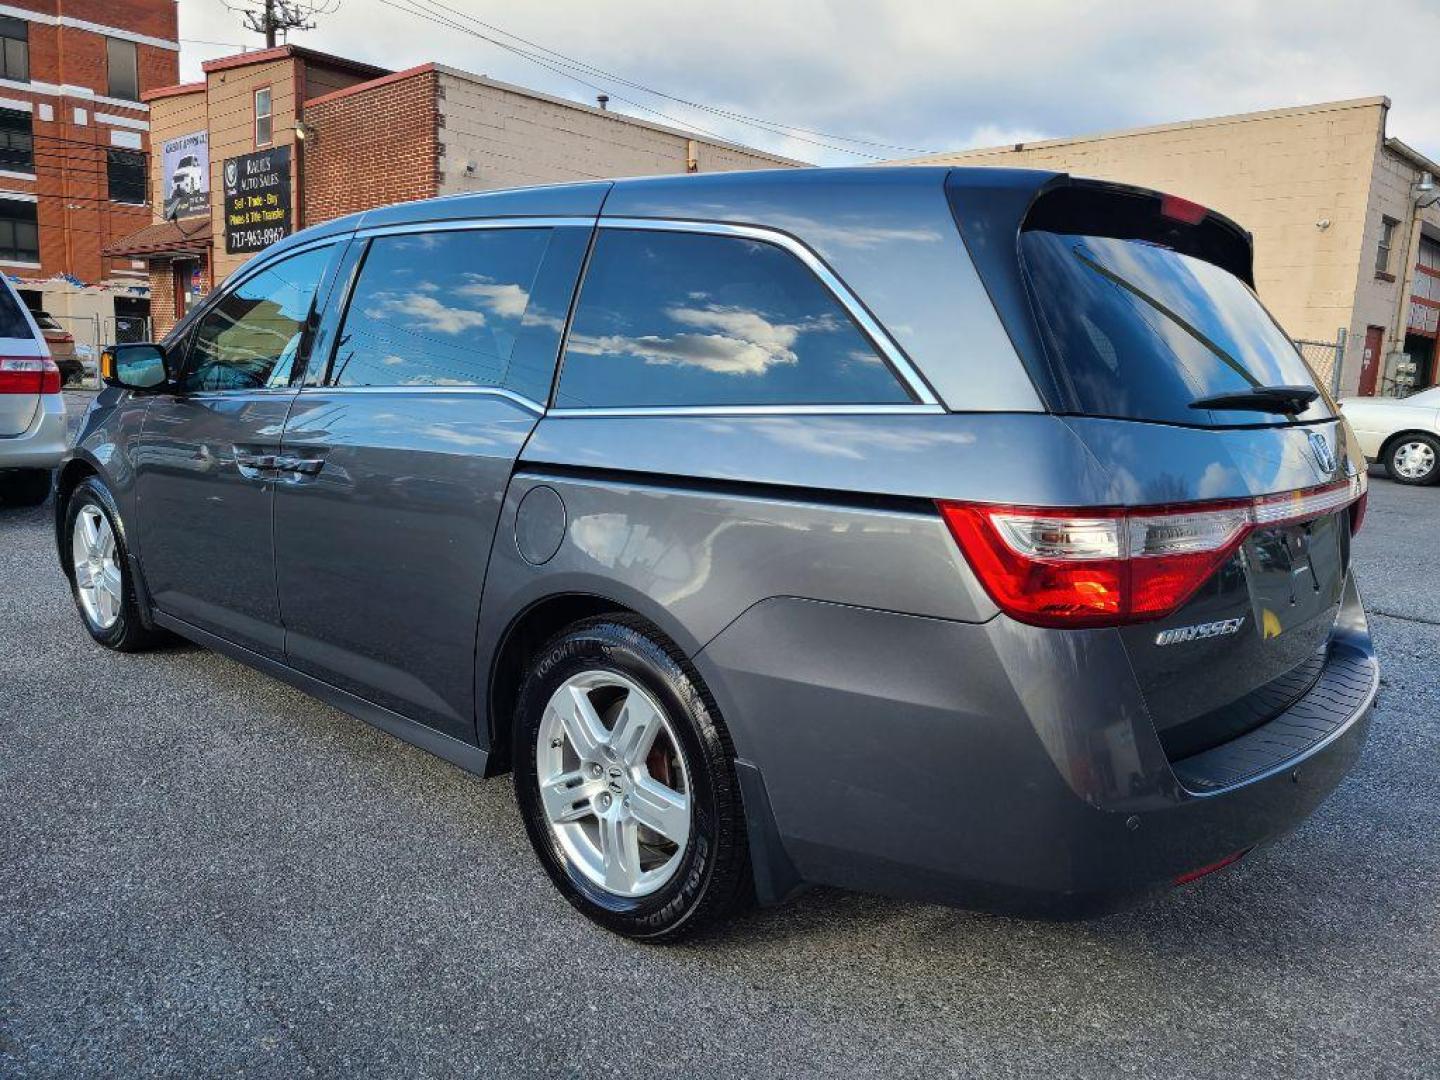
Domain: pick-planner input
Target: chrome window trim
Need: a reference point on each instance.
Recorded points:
(489, 391)
(260, 264)
(753, 410)
(869, 326)
(472, 224)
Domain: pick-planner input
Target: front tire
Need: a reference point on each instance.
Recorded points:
(626, 781)
(1414, 459)
(98, 566)
(24, 487)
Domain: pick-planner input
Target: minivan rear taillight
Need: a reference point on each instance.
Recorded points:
(1108, 566)
(29, 375)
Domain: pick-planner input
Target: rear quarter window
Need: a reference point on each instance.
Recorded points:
(13, 323)
(1136, 330)
(675, 319)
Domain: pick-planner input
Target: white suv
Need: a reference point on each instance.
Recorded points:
(32, 412)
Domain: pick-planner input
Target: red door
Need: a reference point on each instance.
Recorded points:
(180, 280)
(1370, 361)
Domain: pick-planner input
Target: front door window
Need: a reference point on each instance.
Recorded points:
(251, 338)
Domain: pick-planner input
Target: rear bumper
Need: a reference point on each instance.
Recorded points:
(995, 766)
(43, 444)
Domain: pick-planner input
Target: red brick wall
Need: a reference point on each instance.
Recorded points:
(162, 294)
(76, 216)
(155, 18)
(373, 145)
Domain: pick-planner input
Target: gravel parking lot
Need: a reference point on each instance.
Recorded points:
(205, 872)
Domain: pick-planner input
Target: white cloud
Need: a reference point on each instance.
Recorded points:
(504, 299)
(742, 343)
(416, 311)
(712, 352)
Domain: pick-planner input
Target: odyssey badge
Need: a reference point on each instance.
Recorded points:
(1204, 630)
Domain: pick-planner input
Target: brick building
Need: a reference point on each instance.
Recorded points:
(74, 146)
(1345, 233)
(351, 137)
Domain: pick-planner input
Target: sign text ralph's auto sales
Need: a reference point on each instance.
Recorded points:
(257, 200)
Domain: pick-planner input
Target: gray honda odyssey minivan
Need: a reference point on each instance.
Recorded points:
(965, 534)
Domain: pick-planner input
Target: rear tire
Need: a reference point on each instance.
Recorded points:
(24, 487)
(97, 561)
(611, 662)
(1414, 459)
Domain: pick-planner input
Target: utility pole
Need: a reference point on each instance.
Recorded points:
(276, 18)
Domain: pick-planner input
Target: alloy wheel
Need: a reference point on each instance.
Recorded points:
(1414, 459)
(97, 572)
(613, 783)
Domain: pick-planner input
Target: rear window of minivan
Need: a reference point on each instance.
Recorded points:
(12, 319)
(1139, 331)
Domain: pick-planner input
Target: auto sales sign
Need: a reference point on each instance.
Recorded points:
(257, 200)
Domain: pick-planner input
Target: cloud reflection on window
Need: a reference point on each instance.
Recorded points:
(445, 312)
(695, 319)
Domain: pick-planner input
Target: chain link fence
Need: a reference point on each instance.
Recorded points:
(93, 332)
(1325, 359)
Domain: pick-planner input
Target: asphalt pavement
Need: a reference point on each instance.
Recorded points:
(204, 872)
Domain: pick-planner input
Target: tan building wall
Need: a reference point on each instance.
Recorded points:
(1381, 302)
(232, 133)
(176, 114)
(514, 136)
(1310, 183)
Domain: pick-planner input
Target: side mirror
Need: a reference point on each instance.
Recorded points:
(138, 366)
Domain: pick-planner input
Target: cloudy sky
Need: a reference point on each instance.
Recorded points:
(916, 76)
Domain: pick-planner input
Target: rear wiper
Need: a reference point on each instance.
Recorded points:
(1289, 400)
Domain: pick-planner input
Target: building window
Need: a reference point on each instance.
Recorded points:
(17, 143)
(14, 50)
(125, 170)
(124, 69)
(1387, 239)
(19, 233)
(263, 130)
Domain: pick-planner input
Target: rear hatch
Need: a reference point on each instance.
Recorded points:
(25, 367)
(1224, 556)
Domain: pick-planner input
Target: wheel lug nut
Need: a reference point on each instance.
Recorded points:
(604, 802)
(595, 770)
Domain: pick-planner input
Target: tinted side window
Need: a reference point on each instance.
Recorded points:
(253, 334)
(669, 319)
(12, 321)
(448, 309)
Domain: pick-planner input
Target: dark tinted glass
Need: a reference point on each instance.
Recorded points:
(446, 309)
(670, 319)
(125, 175)
(17, 142)
(19, 233)
(1139, 331)
(124, 69)
(252, 337)
(14, 50)
(12, 320)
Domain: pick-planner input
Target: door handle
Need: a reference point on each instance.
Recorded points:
(254, 466)
(299, 465)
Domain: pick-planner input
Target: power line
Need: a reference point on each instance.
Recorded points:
(545, 62)
(775, 125)
(413, 7)
(441, 20)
